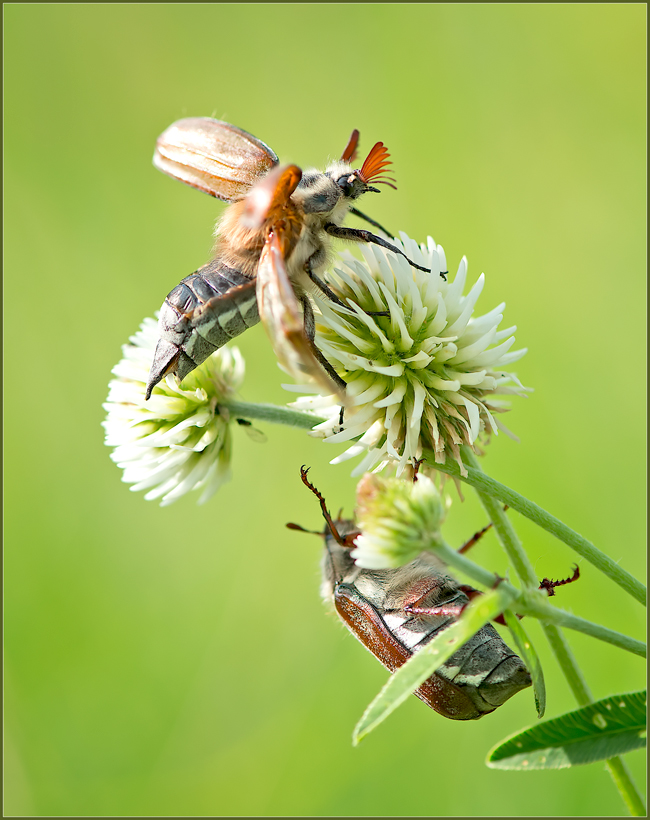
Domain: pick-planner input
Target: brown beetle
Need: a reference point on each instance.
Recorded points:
(273, 244)
(395, 612)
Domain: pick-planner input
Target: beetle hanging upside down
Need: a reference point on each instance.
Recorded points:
(395, 612)
(273, 245)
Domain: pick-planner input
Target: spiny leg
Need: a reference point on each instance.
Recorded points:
(325, 288)
(370, 221)
(549, 585)
(417, 463)
(356, 235)
(477, 536)
(414, 606)
(348, 541)
(310, 331)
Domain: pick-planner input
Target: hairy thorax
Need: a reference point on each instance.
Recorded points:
(303, 236)
(241, 247)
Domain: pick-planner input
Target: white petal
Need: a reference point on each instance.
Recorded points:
(474, 420)
(440, 320)
(473, 351)
(418, 405)
(491, 357)
(397, 318)
(458, 326)
(395, 397)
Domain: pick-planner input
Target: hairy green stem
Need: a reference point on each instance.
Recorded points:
(622, 777)
(504, 530)
(488, 486)
(567, 662)
(617, 767)
(547, 612)
(531, 602)
(272, 413)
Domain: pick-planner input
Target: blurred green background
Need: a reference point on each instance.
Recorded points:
(178, 661)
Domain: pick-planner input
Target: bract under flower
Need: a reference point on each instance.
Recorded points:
(426, 374)
(180, 439)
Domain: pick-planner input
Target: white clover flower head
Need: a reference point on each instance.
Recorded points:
(424, 376)
(180, 439)
(398, 519)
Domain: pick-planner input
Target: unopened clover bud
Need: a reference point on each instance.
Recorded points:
(398, 519)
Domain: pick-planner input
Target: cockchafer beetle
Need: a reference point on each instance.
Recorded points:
(395, 612)
(273, 244)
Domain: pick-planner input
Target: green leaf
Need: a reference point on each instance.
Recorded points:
(599, 731)
(530, 658)
(425, 661)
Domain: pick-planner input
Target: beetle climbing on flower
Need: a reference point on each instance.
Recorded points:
(273, 245)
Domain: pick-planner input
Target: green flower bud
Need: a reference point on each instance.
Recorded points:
(398, 519)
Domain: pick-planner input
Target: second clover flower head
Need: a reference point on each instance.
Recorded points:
(180, 439)
(428, 375)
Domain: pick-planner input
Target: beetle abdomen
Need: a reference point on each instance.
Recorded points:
(477, 679)
(369, 627)
(207, 309)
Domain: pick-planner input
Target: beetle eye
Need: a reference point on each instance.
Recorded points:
(345, 183)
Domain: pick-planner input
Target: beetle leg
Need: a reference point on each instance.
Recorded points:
(325, 288)
(417, 463)
(322, 286)
(372, 222)
(356, 235)
(549, 585)
(310, 330)
(413, 605)
(473, 593)
(453, 610)
(298, 528)
(419, 591)
(346, 542)
(477, 536)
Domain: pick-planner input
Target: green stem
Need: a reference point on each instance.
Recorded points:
(272, 413)
(488, 486)
(504, 530)
(488, 489)
(546, 612)
(568, 664)
(622, 777)
(617, 768)
(530, 602)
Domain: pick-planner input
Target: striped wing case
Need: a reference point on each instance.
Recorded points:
(475, 681)
(213, 156)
